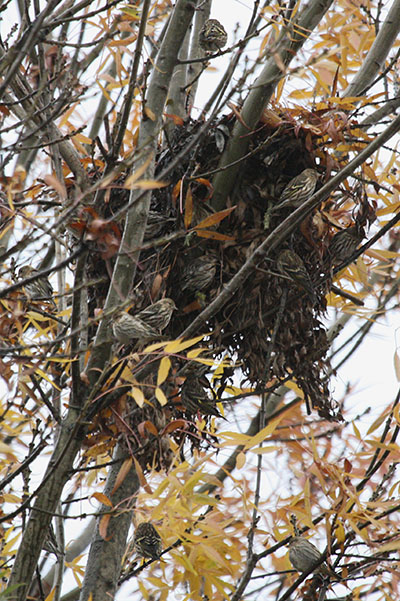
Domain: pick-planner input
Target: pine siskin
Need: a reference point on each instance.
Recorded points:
(212, 36)
(345, 243)
(304, 556)
(156, 223)
(159, 315)
(290, 264)
(39, 289)
(199, 274)
(126, 328)
(147, 541)
(51, 544)
(299, 189)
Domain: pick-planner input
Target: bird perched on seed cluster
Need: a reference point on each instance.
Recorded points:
(39, 289)
(199, 274)
(145, 325)
(147, 541)
(212, 36)
(158, 315)
(344, 243)
(299, 189)
(304, 556)
(290, 265)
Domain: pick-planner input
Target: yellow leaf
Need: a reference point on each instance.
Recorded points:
(138, 395)
(389, 546)
(213, 235)
(177, 346)
(397, 365)
(139, 172)
(103, 526)
(149, 113)
(163, 370)
(301, 94)
(375, 425)
(263, 450)
(154, 347)
(263, 434)
(142, 478)
(356, 431)
(145, 184)
(102, 498)
(188, 208)
(50, 596)
(160, 396)
(131, 11)
(122, 474)
(215, 218)
(195, 353)
(240, 460)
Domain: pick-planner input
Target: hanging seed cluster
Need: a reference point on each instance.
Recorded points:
(272, 325)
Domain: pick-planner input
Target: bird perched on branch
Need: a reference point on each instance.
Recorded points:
(145, 325)
(304, 556)
(344, 243)
(127, 328)
(158, 315)
(299, 189)
(39, 289)
(147, 541)
(212, 36)
(290, 265)
(199, 274)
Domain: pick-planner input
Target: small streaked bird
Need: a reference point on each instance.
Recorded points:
(147, 541)
(156, 222)
(290, 265)
(212, 36)
(299, 189)
(127, 328)
(199, 274)
(159, 315)
(304, 556)
(39, 289)
(344, 243)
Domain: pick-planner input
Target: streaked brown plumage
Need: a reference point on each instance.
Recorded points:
(158, 315)
(156, 222)
(147, 541)
(212, 36)
(290, 264)
(345, 243)
(127, 328)
(39, 289)
(299, 189)
(304, 556)
(199, 274)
